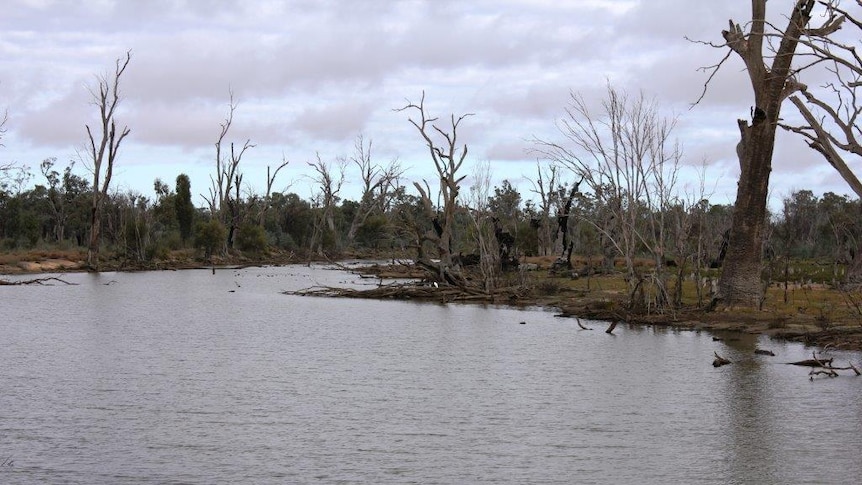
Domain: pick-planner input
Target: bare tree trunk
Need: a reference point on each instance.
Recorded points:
(227, 179)
(104, 152)
(740, 283)
(545, 187)
(270, 181)
(329, 181)
(448, 158)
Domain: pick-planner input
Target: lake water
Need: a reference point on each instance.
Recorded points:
(190, 377)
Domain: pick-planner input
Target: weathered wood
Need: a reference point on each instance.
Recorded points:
(812, 362)
(719, 360)
(36, 281)
(740, 283)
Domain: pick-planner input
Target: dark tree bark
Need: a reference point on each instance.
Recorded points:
(740, 282)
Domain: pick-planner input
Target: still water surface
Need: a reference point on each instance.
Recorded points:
(190, 377)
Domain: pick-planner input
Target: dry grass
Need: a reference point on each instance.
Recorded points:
(37, 255)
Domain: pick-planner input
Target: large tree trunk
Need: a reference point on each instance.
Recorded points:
(740, 278)
(740, 282)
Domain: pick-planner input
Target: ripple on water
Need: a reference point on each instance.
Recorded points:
(169, 378)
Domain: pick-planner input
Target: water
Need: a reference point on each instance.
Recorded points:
(190, 377)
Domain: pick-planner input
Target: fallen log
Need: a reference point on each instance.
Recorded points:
(764, 352)
(36, 281)
(824, 367)
(812, 362)
(408, 291)
(611, 328)
(719, 360)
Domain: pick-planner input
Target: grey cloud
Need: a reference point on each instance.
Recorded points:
(61, 123)
(333, 122)
(508, 151)
(309, 75)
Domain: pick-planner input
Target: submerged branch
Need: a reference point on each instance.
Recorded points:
(36, 281)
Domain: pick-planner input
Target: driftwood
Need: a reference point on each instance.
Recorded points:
(582, 325)
(719, 360)
(410, 291)
(611, 327)
(824, 367)
(812, 362)
(37, 281)
(764, 352)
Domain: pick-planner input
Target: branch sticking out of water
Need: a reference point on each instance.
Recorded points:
(36, 281)
(719, 360)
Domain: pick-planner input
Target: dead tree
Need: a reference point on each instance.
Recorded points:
(773, 79)
(485, 235)
(328, 180)
(102, 151)
(545, 187)
(270, 181)
(831, 113)
(448, 158)
(378, 185)
(224, 199)
(628, 159)
(562, 230)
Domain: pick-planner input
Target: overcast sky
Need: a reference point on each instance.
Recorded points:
(311, 75)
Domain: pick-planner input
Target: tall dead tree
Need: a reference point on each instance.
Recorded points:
(378, 185)
(830, 114)
(224, 192)
(485, 227)
(270, 181)
(328, 180)
(545, 187)
(772, 77)
(104, 144)
(628, 159)
(448, 158)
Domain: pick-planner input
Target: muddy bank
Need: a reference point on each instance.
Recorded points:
(841, 328)
(36, 262)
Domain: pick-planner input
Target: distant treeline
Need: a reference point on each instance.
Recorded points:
(55, 212)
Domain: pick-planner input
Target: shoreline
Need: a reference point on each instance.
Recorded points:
(806, 328)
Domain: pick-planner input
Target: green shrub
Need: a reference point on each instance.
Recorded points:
(252, 238)
(210, 236)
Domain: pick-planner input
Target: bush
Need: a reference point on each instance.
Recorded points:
(210, 236)
(157, 251)
(548, 287)
(252, 238)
